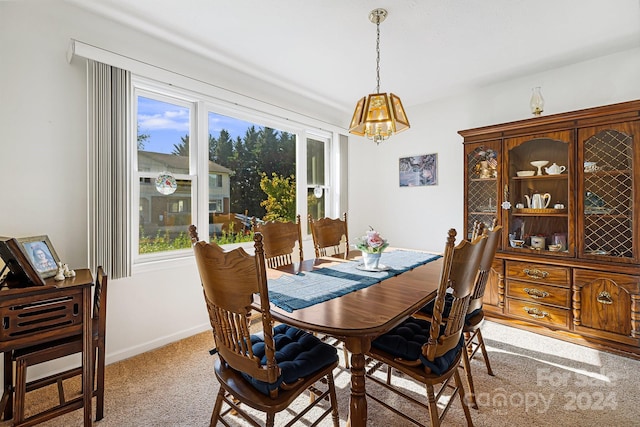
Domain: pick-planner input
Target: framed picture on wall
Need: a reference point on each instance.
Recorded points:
(42, 255)
(21, 271)
(419, 170)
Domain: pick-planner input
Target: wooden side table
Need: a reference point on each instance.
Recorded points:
(41, 314)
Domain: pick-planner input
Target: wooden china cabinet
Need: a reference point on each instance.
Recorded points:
(569, 261)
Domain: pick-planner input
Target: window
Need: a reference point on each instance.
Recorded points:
(163, 154)
(316, 188)
(220, 175)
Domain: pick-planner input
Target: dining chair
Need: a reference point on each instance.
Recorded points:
(331, 237)
(475, 313)
(477, 229)
(30, 356)
(269, 369)
(279, 240)
(430, 352)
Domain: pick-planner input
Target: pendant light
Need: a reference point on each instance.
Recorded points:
(378, 115)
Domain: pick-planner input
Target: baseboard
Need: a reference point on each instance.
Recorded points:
(151, 345)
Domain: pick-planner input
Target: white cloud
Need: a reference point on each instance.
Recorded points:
(168, 120)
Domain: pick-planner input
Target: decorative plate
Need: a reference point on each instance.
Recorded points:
(166, 184)
(381, 267)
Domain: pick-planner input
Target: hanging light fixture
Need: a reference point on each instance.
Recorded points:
(378, 115)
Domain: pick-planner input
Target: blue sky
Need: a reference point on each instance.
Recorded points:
(166, 123)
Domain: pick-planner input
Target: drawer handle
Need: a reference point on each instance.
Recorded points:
(536, 313)
(535, 273)
(536, 293)
(604, 297)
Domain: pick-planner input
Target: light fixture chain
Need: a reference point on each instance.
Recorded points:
(378, 54)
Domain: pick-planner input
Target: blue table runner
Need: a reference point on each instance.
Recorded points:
(293, 292)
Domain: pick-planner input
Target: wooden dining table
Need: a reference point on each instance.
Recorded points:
(358, 317)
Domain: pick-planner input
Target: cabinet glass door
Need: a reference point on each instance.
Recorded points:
(482, 184)
(607, 190)
(539, 193)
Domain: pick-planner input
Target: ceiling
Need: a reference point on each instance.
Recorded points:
(325, 49)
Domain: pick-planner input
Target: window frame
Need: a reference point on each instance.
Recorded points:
(200, 106)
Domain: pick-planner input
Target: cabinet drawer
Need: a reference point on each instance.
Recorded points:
(540, 273)
(54, 315)
(539, 293)
(535, 312)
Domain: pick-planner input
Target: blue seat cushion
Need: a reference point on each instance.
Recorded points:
(448, 301)
(298, 354)
(471, 315)
(428, 308)
(406, 341)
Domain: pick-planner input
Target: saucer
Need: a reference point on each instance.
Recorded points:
(381, 267)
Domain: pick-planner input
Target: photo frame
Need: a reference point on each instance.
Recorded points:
(418, 171)
(21, 270)
(41, 253)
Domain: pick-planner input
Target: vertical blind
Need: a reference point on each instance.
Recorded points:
(109, 90)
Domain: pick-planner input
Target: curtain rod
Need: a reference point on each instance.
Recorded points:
(87, 51)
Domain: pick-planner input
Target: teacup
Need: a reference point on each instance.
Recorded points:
(516, 243)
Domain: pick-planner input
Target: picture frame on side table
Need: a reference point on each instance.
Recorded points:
(22, 272)
(41, 253)
(418, 171)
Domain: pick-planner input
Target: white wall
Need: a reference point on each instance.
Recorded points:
(43, 154)
(419, 217)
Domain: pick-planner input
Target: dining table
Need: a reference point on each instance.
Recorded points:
(370, 304)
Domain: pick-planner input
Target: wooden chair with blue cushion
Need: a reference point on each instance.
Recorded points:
(266, 370)
(430, 352)
(475, 314)
(279, 241)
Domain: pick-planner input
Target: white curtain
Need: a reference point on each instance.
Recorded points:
(109, 92)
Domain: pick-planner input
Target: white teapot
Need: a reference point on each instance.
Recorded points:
(538, 201)
(554, 169)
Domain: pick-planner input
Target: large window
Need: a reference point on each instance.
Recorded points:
(197, 163)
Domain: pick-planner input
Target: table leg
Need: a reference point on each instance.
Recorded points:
(358, 401)
(87, 352)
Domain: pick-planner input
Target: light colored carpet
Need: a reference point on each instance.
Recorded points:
(539, 381)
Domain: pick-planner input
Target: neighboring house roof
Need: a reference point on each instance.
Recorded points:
(176, 163)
